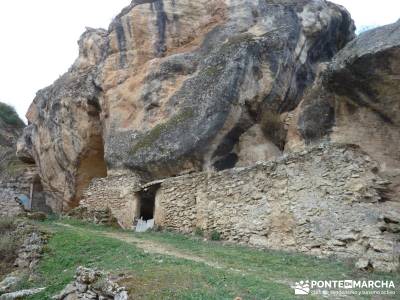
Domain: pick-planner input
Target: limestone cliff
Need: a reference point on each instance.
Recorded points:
(356, 100)
(180, 86)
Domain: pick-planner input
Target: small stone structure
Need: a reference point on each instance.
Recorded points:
(31, 251)
(326, 200)
(115, 193)
(25, 186)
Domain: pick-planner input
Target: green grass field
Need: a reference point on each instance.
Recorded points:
(170, 266)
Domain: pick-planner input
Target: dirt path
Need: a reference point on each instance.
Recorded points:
(147, 246)
(155, 247)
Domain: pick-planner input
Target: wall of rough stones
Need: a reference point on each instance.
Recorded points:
(117, 193)
(323, 201)
(11, 188)
(327, 200)
(8, 206)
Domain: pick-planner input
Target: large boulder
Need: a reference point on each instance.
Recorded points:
(356, 99)
(180, 86)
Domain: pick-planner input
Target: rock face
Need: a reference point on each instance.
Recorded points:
(356, 100)
(179, 86)
(12, 179)
(64, 137)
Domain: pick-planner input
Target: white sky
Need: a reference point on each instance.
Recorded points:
(39, 38)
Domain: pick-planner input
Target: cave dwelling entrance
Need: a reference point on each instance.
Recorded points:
(146, 206)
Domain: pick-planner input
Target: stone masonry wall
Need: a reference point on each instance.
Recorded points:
(11, 188)
(324, 201)
(116, 193)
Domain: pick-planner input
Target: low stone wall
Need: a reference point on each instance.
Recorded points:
(323, 201)
(8, 206)
(116, 193)
(12, 188)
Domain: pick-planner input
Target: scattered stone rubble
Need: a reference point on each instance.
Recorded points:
(31, 251)
(28, 258)
(8, 284)
(21, 294)
(100, 216)
(92, 284)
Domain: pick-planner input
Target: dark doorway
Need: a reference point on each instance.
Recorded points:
(147, 200)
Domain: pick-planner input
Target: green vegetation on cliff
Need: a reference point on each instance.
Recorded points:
(9, 116)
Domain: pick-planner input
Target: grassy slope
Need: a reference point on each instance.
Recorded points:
(243, 272)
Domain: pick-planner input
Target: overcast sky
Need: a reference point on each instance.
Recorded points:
(39, 38)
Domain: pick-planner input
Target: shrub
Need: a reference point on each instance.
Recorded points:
(215, 236)
(9, 115)
(198, 231)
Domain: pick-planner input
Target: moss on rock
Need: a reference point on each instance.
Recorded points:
(153, 135)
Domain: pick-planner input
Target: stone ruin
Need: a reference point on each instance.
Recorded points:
(327, 200)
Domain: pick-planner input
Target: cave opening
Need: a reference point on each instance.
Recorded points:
(147, 201)
(227, 162)
(92, 163)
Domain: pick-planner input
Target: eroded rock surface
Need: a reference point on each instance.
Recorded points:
(179, 86)
(356, 100)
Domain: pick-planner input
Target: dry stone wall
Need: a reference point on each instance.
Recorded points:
(116, 193)
(323, 201)
(326, 200)
(13, 187)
